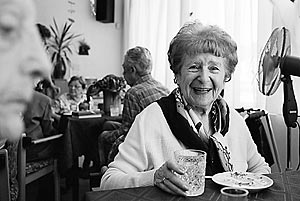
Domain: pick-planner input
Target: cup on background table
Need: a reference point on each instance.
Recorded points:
(73, 107)
(121, 106)
(114, 110)
(234, 194)
(193, 163)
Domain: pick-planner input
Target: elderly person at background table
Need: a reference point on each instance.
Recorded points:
(48, 88)
(38, 123)
(71, 100)
(38, 120)
(22, 60)
(202, 59)
(143, 91)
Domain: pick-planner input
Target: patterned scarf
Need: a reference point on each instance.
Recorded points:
(220, 117)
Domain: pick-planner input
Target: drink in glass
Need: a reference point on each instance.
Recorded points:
(193, 164)
(114, 110)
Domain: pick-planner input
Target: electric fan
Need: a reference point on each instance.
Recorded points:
(276, 66)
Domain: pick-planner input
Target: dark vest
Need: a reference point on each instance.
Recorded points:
(182, 130)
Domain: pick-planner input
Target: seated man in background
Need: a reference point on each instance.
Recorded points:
(49, 89)
(144, 90)
(38, 124)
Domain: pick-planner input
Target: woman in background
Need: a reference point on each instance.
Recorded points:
(71, 100)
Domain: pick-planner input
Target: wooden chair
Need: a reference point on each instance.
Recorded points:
(4, 176)
(29, 172)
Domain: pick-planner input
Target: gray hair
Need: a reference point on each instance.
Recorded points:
(142, 56)
(80, 79)
(194, 38)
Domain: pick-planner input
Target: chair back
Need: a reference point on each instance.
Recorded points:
(4, 176)
(266, 121)
(261, 129)
(29, 172)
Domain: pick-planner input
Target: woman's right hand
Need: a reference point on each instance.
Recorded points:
(165, 179)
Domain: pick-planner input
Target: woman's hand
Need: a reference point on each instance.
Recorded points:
(165, 179)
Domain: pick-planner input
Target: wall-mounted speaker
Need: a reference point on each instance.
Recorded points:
(105, 11)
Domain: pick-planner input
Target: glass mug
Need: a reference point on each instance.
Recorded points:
(193, 163)
(114, 110)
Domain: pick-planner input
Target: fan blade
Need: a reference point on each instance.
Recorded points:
(269, 69)
(269, 64)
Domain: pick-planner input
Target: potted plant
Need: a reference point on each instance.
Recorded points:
(60, 49)
(111, 85)
(83, 48)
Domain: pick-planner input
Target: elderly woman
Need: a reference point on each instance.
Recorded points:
(71, 100)
(22, 60)
(203, 59)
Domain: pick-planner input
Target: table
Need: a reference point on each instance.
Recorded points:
(286, 187)
(80, 138)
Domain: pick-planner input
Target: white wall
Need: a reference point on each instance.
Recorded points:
(105, 39)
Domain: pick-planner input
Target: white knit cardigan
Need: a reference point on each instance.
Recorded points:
(150, 143)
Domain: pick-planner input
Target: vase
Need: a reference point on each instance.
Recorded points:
(110, 99)
(59, 71)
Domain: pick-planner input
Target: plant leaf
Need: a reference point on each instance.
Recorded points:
(56, 27)
(61, 42)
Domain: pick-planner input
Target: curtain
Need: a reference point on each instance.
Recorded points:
(153, 23)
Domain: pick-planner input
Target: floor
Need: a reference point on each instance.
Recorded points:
(66, 195)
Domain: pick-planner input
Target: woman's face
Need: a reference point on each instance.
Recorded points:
(75, 89)
(201, 79)
(22, 59)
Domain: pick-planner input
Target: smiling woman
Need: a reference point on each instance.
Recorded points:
(193, 116)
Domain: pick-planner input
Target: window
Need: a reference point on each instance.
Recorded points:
(153, 23)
